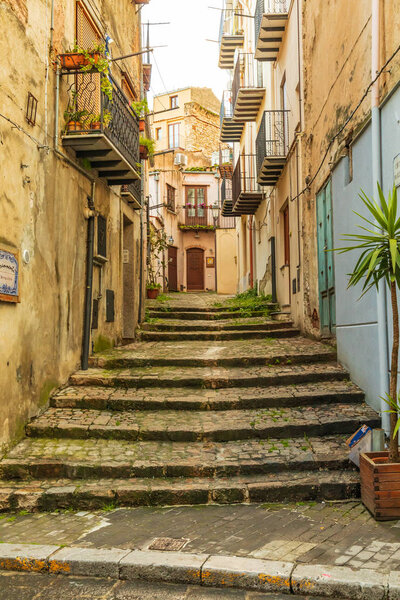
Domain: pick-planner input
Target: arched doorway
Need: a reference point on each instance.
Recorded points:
(195, 269)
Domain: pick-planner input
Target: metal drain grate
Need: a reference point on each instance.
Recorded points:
(168, 544)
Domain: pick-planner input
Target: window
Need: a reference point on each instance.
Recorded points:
(173, 102)
(173, 135)
(158, 133)
(196, 204)
(170, 198)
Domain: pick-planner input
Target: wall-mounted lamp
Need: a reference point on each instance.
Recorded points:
(170, 240)
(215, 210)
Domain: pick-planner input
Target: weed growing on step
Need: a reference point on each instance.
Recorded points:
(109, 507)
(247, 303)
(163, 298)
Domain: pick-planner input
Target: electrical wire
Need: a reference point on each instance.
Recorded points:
(343, 127)
(14, 124)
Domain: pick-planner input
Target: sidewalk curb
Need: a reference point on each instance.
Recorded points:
(203, 569)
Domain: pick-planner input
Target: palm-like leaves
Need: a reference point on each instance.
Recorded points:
(379, 259)
(379, 245)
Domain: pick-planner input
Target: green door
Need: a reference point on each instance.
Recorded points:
(326, 271)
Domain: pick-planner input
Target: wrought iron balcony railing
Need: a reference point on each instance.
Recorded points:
(196, 216)
(227, 217)
(272, 146)
(231, 36)
(132, 192)
(246, 193)
(270, 21)
(101, 129)
(247, 88)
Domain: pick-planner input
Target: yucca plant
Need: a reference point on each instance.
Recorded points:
(380, 260)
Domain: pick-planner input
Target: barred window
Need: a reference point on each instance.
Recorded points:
(170, 198)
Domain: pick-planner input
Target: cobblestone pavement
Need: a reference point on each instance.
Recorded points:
(24, 586)
(332, 533)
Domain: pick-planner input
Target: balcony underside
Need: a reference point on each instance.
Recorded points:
(271, 170)
(247, 203)
(103, 156)
(231, 131)
(227, 209)
(226, 170)
(131, 193)
(248, 104)
(227, 48)
(270, 37)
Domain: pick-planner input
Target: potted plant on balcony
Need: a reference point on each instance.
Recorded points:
(74, 119)
(96, 121)
(141, 109)
(146, 147)
(76, 57)
(379, 262)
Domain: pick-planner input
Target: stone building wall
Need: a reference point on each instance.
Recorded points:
(202, 129)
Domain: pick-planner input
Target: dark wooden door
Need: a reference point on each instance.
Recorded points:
(195, 269)
(172, 269)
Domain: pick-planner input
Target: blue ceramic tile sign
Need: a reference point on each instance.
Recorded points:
(9, 275)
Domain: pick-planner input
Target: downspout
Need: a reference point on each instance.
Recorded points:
(377, 178)
(142, 196)
(89, 281)
(251, 252)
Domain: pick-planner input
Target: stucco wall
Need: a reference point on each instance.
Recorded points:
(226, 261)
(42, 203)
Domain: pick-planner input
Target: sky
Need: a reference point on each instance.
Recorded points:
(189, 59)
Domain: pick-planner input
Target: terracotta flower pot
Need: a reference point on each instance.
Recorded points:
(95, 125)
(74, 126)
(144, 153)
(142, 125)
(75, 60)
(380, 485)
(153, 293)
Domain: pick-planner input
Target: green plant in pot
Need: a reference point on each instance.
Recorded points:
(156, 263)
(95, 120)
(379, 264)
(147, 147)
(95, 59)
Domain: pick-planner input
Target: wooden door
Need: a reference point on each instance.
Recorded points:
(326, 272)
(195, 269)
(172, 269)
(286, 235)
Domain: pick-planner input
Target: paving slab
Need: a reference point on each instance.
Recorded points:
(25, 557)
(90, 562)
(161, 566)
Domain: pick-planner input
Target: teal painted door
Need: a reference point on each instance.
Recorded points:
(326, 270)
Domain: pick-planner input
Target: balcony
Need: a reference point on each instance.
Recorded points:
(230, 38)
(246, 193)
(272, 146)
(270, 23)
(247, 88)
(196, 218)
(104, 132)
(225, 164)
(231, 131)
(132, 194)
(226, 200)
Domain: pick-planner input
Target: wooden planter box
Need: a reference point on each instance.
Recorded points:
(380, 485)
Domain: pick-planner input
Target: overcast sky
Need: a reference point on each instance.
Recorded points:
(188, 60)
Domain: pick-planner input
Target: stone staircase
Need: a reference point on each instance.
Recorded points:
(209, 406)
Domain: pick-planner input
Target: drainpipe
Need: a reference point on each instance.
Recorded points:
(377, 177)
(251, 252)
(90, 213)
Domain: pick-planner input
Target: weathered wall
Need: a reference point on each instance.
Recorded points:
(337, 67)
(42, 202)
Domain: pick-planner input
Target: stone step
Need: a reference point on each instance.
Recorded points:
(44, 458)
(205, 309)
(166, 313)
(154, 336)
(186, 426)
(211, 378)
(126, 359)
(288, 486)
(226, 325)
(109, 398)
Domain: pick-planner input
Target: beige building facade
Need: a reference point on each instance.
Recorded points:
(185, 194)
(71, 201)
